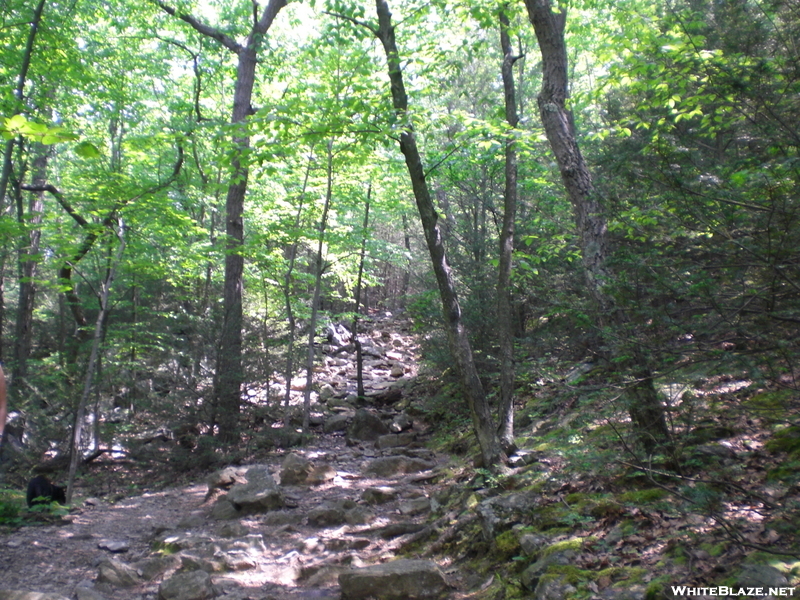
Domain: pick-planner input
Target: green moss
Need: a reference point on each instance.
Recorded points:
(715, 549)
(573, 544)
(570, 574)
(644, 496)
(507, 545)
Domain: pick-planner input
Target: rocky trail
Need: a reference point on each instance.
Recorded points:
(284, 528)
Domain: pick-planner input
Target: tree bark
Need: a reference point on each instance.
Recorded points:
(482, 421)
(505, 324)
(644, 405)
(28, 263)
(323, 223)
(230, 374)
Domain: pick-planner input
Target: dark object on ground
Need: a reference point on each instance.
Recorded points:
(39, 488)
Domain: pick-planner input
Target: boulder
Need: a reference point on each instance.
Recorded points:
(366, 427)
(295, 469)
(396, 580)
(259, 494)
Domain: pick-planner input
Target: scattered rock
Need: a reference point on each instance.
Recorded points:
(115, 547)
(118, 574)
(194, 585)
(21, 595)
(396, 580)
(337, 423)
(379, 495)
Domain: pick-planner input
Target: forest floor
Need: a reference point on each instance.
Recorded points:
(578, 506)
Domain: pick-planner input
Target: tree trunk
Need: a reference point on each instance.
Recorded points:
(644, 405)
(230, 374)
(323, 222)
(19, 91)
(482, 421)
(77, 430)
(505, 323)
(362, 256)
(28, 263)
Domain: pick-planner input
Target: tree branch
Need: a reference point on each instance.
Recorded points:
(202, 28)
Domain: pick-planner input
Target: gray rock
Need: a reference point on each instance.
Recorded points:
(336, 423)
(415, 506)
(156, 566)
(401, 422)
(395, 440)
(116, 547)
(84, 593)
(326, 392)
(233, 530)
(396, 580)
(117, 574)
(194, 585)
(327, 515)
(223, 510)
(553, 589)
(259, 494)
(391, 466)
(763, 576)
(366, 427)
(21, 595)
(295, 469)
(320, 474)
(533, 574)
(379, 495)
(225, 479)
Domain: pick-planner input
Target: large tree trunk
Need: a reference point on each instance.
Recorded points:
(505, 323)
(230, 374)
(645, 408)
(482, 421)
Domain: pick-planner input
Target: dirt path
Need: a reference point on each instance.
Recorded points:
(287, 557)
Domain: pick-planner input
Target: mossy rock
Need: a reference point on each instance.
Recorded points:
(788, 472)
(507, 545)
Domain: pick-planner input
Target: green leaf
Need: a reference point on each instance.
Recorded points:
(87, 150)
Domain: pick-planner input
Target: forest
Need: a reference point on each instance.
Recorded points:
(586, 213)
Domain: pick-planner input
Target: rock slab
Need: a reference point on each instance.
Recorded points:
(396, 580)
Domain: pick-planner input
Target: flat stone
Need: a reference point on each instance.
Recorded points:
(396, 580)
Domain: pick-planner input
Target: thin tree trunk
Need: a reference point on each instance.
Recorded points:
(77, 430)
(504, 316)
(407, 272)
(19, 91)
(28, 264)
(323, 223)
(287, 294)
(644, 405)
(356, 341)
(482, 421)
